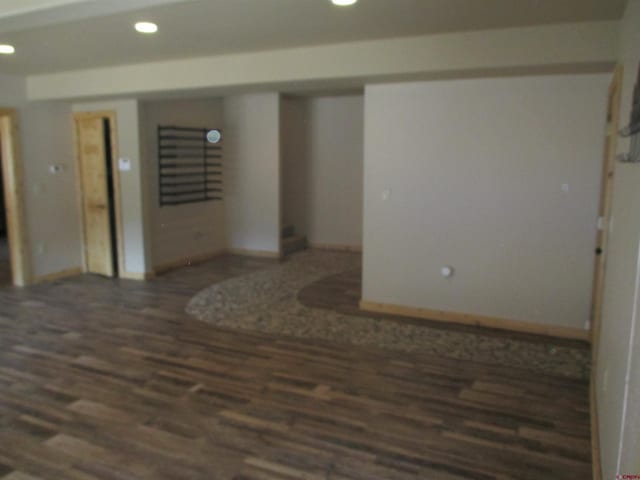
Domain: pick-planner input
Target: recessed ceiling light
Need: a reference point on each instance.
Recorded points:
(146, 27)
(344, 3)
(7, 49)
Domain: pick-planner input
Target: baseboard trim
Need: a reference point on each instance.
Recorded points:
(596, 459)
(245, 252)
(477, 320)
(336, 247)
(189, 260)
(195, 259)
(50, 277)
(140, 276)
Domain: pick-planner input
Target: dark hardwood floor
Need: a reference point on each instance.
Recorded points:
(107, 379)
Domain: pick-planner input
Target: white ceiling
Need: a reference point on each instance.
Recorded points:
(11, 8)
(58, 35)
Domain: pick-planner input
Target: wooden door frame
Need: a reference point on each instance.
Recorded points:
(115, 175)
(14, 194)
(606, 199)
(614, 101)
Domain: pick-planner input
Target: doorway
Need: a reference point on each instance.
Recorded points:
(15, 266)
(322, 171)
(5, 256)
(99, 192)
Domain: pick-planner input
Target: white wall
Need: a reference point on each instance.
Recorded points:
(13, 91)
(566, 47)
(294, 142)
(132, 183)
(322, 168)
(180, 231)
(52, 209)
(50, 200)
(475, 170)
(618, 363)
(252, 172)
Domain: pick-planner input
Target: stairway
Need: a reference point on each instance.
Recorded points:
(291, 242)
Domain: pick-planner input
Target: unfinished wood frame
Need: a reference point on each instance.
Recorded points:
(606, 198)
(12, 170)
(602, 240)
(113, 137)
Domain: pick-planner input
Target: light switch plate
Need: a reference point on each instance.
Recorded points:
(124, 164)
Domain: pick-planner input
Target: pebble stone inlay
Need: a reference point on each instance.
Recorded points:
(266, 301)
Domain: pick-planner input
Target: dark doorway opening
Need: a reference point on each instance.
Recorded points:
(111, 194)
(5, 257)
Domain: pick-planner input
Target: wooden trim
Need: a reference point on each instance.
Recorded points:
(139, 276)
(113, 135)
(336, 247)
(14, 194)
(596, 459)
(189, 260)
(69, 272)
(477, 320)
(254, 253)
(195, 259)
(93, 114)
(79, 189)
(606, 201)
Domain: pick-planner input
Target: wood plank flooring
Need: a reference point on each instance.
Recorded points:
(107, 379)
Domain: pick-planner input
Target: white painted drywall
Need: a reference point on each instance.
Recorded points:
(618, 363)
(132, 183)
(473, 171)
(12, 9)
(50, 200)
(567, 47)
(294, 134)
(13, 91)
(322, 142)
(180, 231)
(52, 208)
(252, 171)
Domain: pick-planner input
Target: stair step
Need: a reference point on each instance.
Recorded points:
(293, 244)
